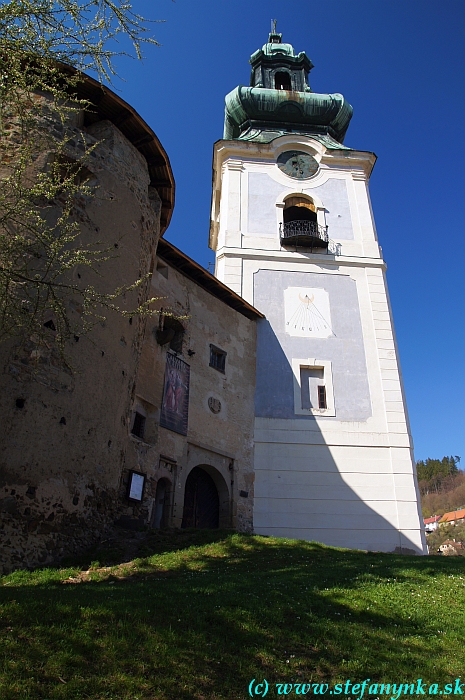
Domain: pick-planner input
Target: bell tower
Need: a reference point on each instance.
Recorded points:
(293, 232)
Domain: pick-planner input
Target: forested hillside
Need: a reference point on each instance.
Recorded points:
(442, 485)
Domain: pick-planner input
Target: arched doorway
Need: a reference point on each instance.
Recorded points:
(160, 509)
(201, 501)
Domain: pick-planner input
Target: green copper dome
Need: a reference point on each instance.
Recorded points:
(275, 46)
(274, 49)
(279, 100)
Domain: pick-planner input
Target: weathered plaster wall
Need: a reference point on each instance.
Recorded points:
(344, 347)
(263, 192)
(65, 433)
(221, 443)
(342, 475)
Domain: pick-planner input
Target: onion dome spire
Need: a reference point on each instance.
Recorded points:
(279, 99)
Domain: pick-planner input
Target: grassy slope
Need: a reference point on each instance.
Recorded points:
(211, 610)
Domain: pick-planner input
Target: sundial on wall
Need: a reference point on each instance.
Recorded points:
(307, 312)
(297, 164)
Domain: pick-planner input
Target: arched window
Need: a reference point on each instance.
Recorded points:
(300, 225)
(299, 209)
(282, 81)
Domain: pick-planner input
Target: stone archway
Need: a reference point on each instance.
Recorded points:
(201, 500)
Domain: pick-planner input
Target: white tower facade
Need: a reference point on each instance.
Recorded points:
(294, 235)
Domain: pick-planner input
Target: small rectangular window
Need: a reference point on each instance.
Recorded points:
(138, 427)
(313, 387)
(322, 397)
(217, 358)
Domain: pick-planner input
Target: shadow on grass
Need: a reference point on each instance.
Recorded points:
(124, 545)
(201, 619)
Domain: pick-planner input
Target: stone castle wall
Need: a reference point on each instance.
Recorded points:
(65, 432)
(220, 442)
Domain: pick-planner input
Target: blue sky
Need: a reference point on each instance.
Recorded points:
(401, 64)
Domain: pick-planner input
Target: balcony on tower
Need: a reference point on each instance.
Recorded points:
(300, 227)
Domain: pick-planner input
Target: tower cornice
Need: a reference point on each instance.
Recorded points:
(363, 161)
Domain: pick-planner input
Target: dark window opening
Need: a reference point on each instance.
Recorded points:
(282, 81)
(298, 214)
(171, 331)
(138, 427)
(322, 397)
(50, 324)
(299, 209)
(300, 225)
(217, 358)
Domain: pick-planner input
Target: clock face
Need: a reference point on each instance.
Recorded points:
(297, 164)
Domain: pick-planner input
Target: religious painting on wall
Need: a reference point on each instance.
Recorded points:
(175, 404)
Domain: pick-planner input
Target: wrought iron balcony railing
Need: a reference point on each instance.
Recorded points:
(307, 234)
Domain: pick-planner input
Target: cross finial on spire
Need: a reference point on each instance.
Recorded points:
(274, 37)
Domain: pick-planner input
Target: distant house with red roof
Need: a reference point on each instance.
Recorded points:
(432, 523)
(454, 517)
(451, 547)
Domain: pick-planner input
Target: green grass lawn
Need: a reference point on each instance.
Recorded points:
(206, 612)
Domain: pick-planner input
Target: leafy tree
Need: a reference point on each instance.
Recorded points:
(39, 183)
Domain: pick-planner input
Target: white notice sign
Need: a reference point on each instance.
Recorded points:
(137, 486)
